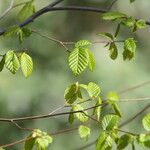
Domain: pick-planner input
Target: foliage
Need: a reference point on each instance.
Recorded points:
(76, 94)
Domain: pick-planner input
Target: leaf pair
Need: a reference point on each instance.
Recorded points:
(123, 19)
(112, 99)
(73, 91)
(39, 139)
(22, 33)
(13, 61)
(81, 115)
(81, 57)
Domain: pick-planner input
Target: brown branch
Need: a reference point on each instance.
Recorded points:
(48, 115)
(51, 7)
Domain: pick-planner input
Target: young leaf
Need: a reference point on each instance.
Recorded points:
(104, 142)
(93, 90)
(113, 15)
(12, 62)
(26, 64)
(97, 110)
(80, 115)
(91, 61)
(123, 141)
(29, 143)
(113, 51)
(82, 43)
(107, 35)
(84, 131)
(141, 24)
(129, 22)
(2, 63)
(109, 122)
(144, 140)
(78, 60)
(129, 49)
(112, 96)
(116, 109)
(27, 10)
(72, 93)
(71, 118)
(10, 31)
(43, 142)
(146, 122)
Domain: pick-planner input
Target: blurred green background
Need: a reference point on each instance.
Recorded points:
(43, 91)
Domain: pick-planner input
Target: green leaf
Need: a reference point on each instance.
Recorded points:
(72, 93)
(97, 110)
(91, 61)
(112, 96)
(109, 122)
(26, 64)
(80, 115)
(71, 118)
(117, 30)
(2, 63)
(78, 60)
(93, 90)
(129, 49)
(117, 109)
(29, 143)
(104, 142)
(123, 141)
(82, 43)
(27, 10)
(84, 131)
(144, 140)
(113, 15)
(23, 33)
(141, 24)
(129, 22)
(11, 30)
(43, 142)
(12, 62)
(113, 51)
(146, 122)
(107, 35)
(131, 1)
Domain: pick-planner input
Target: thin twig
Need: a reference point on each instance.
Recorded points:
(134, 87)
(135, 116)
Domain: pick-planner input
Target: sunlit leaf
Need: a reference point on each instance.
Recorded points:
(27, 10)
(91, 61)
(78, 60)
(93, 89)
(72, 93)
(26, 64)
(84, 131)
(97, 110)
(82, 43)
(112, 15)
(112, 96)
(12, 62)
(80, 115)
(146, 122)
(109, 122)
(141, 24)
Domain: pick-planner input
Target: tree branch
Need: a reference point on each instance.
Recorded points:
(51, 7)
